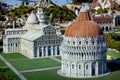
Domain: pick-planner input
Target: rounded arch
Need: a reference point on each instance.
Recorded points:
(86, 68)
(103, 28)
(73, 42)
(79, 42)
(80, 67)
(107, 29)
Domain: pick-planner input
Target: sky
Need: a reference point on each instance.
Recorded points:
(14, 2)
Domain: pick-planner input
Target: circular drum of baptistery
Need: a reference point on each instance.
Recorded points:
(83, 50)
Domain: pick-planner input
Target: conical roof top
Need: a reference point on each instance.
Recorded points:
(83, 26)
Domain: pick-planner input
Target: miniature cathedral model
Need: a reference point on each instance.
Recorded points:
(83, 50)
(36, 39)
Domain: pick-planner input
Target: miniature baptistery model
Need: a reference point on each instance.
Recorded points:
(83, 50)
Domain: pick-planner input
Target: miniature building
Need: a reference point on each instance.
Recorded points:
(83, 50)
(106, 22)
(36, 39)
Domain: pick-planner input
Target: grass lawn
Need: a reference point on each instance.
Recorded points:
(12, 55)
(10, 72)
(113, 54)
(2, 64)
(20, 62)
(27, 64)
(52, 75)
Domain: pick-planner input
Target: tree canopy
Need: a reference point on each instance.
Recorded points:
(5, 76)
(60, 13)
(113, 40)
(21, 10)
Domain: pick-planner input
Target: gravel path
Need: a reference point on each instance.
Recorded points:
(44, 69)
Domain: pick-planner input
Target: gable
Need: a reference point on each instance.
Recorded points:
(49, 30)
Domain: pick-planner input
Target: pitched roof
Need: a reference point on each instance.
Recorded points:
(32, 35)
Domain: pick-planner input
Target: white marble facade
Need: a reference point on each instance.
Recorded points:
(83, 57)
(36, 39)
(83, 49)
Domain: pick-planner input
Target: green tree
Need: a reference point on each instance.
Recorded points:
(100, 10)
(4, 76)
(113, 41)
(93, 10)
(21, 10)
(60, 13)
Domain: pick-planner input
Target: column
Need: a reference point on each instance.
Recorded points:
(6, 46)
(62, 67)
(13, 47)
(83, 56)
(18, 46)
(82, 69)
(90, 71)
(46, 51)
(42, 48)
(55, 50)
(37, 51)
(51, 50)
(9, 47)
(15, 50)
(96, 69)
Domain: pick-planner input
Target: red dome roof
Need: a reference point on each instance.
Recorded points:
(83, 27)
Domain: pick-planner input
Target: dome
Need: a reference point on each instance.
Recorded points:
(32, 19)
(83, 27)
(83, 49)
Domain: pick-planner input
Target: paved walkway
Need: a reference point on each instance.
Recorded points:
(44, 69)
(12, 68)
(55, 59)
